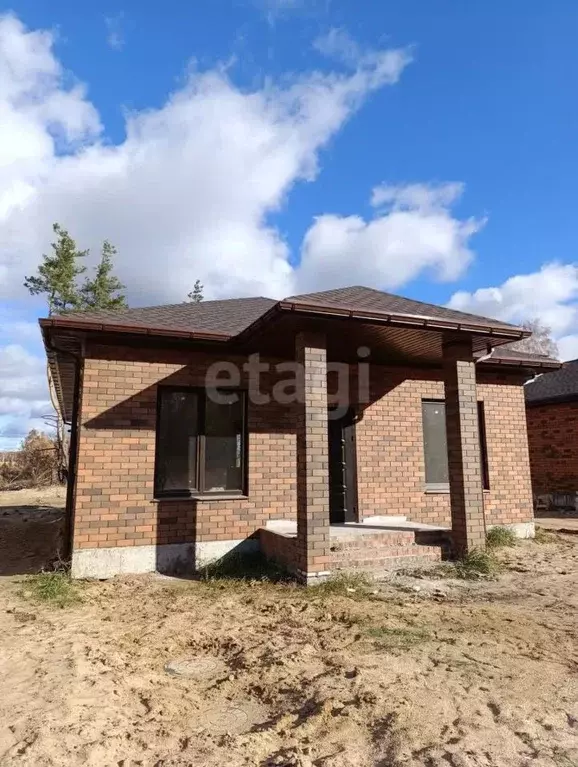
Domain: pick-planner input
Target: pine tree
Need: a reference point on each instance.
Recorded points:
(57, 274)
(102, 292)
(196, 294)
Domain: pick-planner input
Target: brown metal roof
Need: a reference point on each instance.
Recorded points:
(230, 317)
(357, 298)
(400, 325)
(507, 356)
(208, 319)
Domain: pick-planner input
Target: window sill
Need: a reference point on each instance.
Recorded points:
(445, 490)
(202, 497)
(437, 489)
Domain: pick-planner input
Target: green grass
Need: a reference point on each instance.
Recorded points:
(476, 564)
(498, 537)
(56, 589)
(397, 637)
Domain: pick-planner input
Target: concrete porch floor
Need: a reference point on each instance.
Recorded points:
(349, 530)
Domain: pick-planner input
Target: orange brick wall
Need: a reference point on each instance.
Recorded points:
(114, 492)
(115, 475)
(391, 473)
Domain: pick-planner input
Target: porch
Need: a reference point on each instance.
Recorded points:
(330, 532)
(374, 546)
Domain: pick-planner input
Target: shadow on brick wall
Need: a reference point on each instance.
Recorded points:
(176, 537)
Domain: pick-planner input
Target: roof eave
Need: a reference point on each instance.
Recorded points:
(523, 363)
(403, 320)
(82, 324)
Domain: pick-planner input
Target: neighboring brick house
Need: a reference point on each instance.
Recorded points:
(552, 415)
(197, 426)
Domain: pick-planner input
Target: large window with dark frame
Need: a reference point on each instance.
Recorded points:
(201, 442)
(435, 445)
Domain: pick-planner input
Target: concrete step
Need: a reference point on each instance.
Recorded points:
(411, 558)
(354, 540)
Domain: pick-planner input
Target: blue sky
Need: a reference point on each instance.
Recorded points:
(243, 142)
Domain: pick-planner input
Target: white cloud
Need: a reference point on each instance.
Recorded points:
(550, 294)
(24, 395)
(339, 44)
(114, 31)
(189, 192)
(416, 196)
(416, 232)
(568, 347)
(16, 330)
(22, 375)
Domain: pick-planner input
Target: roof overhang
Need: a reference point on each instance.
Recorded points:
(78, 323)
(393, 338)
(496, 334)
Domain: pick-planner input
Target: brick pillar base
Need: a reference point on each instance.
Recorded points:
(466, 494)
(312, 554)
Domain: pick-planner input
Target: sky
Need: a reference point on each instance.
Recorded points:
(275, 147)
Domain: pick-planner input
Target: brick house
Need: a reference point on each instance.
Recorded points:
(552, 415)
(311, 427)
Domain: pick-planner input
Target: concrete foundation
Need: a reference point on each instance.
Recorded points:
(521, 529)
(170, 558)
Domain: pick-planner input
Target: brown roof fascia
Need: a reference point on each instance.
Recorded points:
(79, 324)
(523, 363)
(408, 320)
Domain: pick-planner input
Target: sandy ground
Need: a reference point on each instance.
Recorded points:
(31, 529)
(425, 671)
(560, 523)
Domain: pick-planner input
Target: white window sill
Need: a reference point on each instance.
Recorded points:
(444, 490)
(205, 497)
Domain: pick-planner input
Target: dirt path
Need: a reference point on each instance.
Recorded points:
(424, 672)
(31, 529)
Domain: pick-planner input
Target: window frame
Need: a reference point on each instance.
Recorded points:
(200, 492)
(442, 487)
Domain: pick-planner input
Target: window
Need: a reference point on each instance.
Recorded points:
(201, 443)
(436, 446)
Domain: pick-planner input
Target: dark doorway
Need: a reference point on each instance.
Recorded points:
(342, 467)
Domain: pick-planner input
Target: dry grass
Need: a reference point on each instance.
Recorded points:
(498, 537)
(424, 673)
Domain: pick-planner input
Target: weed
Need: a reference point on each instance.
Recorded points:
(343, 584)
(397, 637)
(55, 588)
(497, 537)
(477, 564)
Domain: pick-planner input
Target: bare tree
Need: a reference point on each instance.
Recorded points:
(540, 342)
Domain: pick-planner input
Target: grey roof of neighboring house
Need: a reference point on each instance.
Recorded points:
(557, 386)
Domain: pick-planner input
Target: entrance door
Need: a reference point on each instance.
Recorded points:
(342, 468)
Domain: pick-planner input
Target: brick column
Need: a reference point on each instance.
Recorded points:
(466, 495)
(312, 459)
